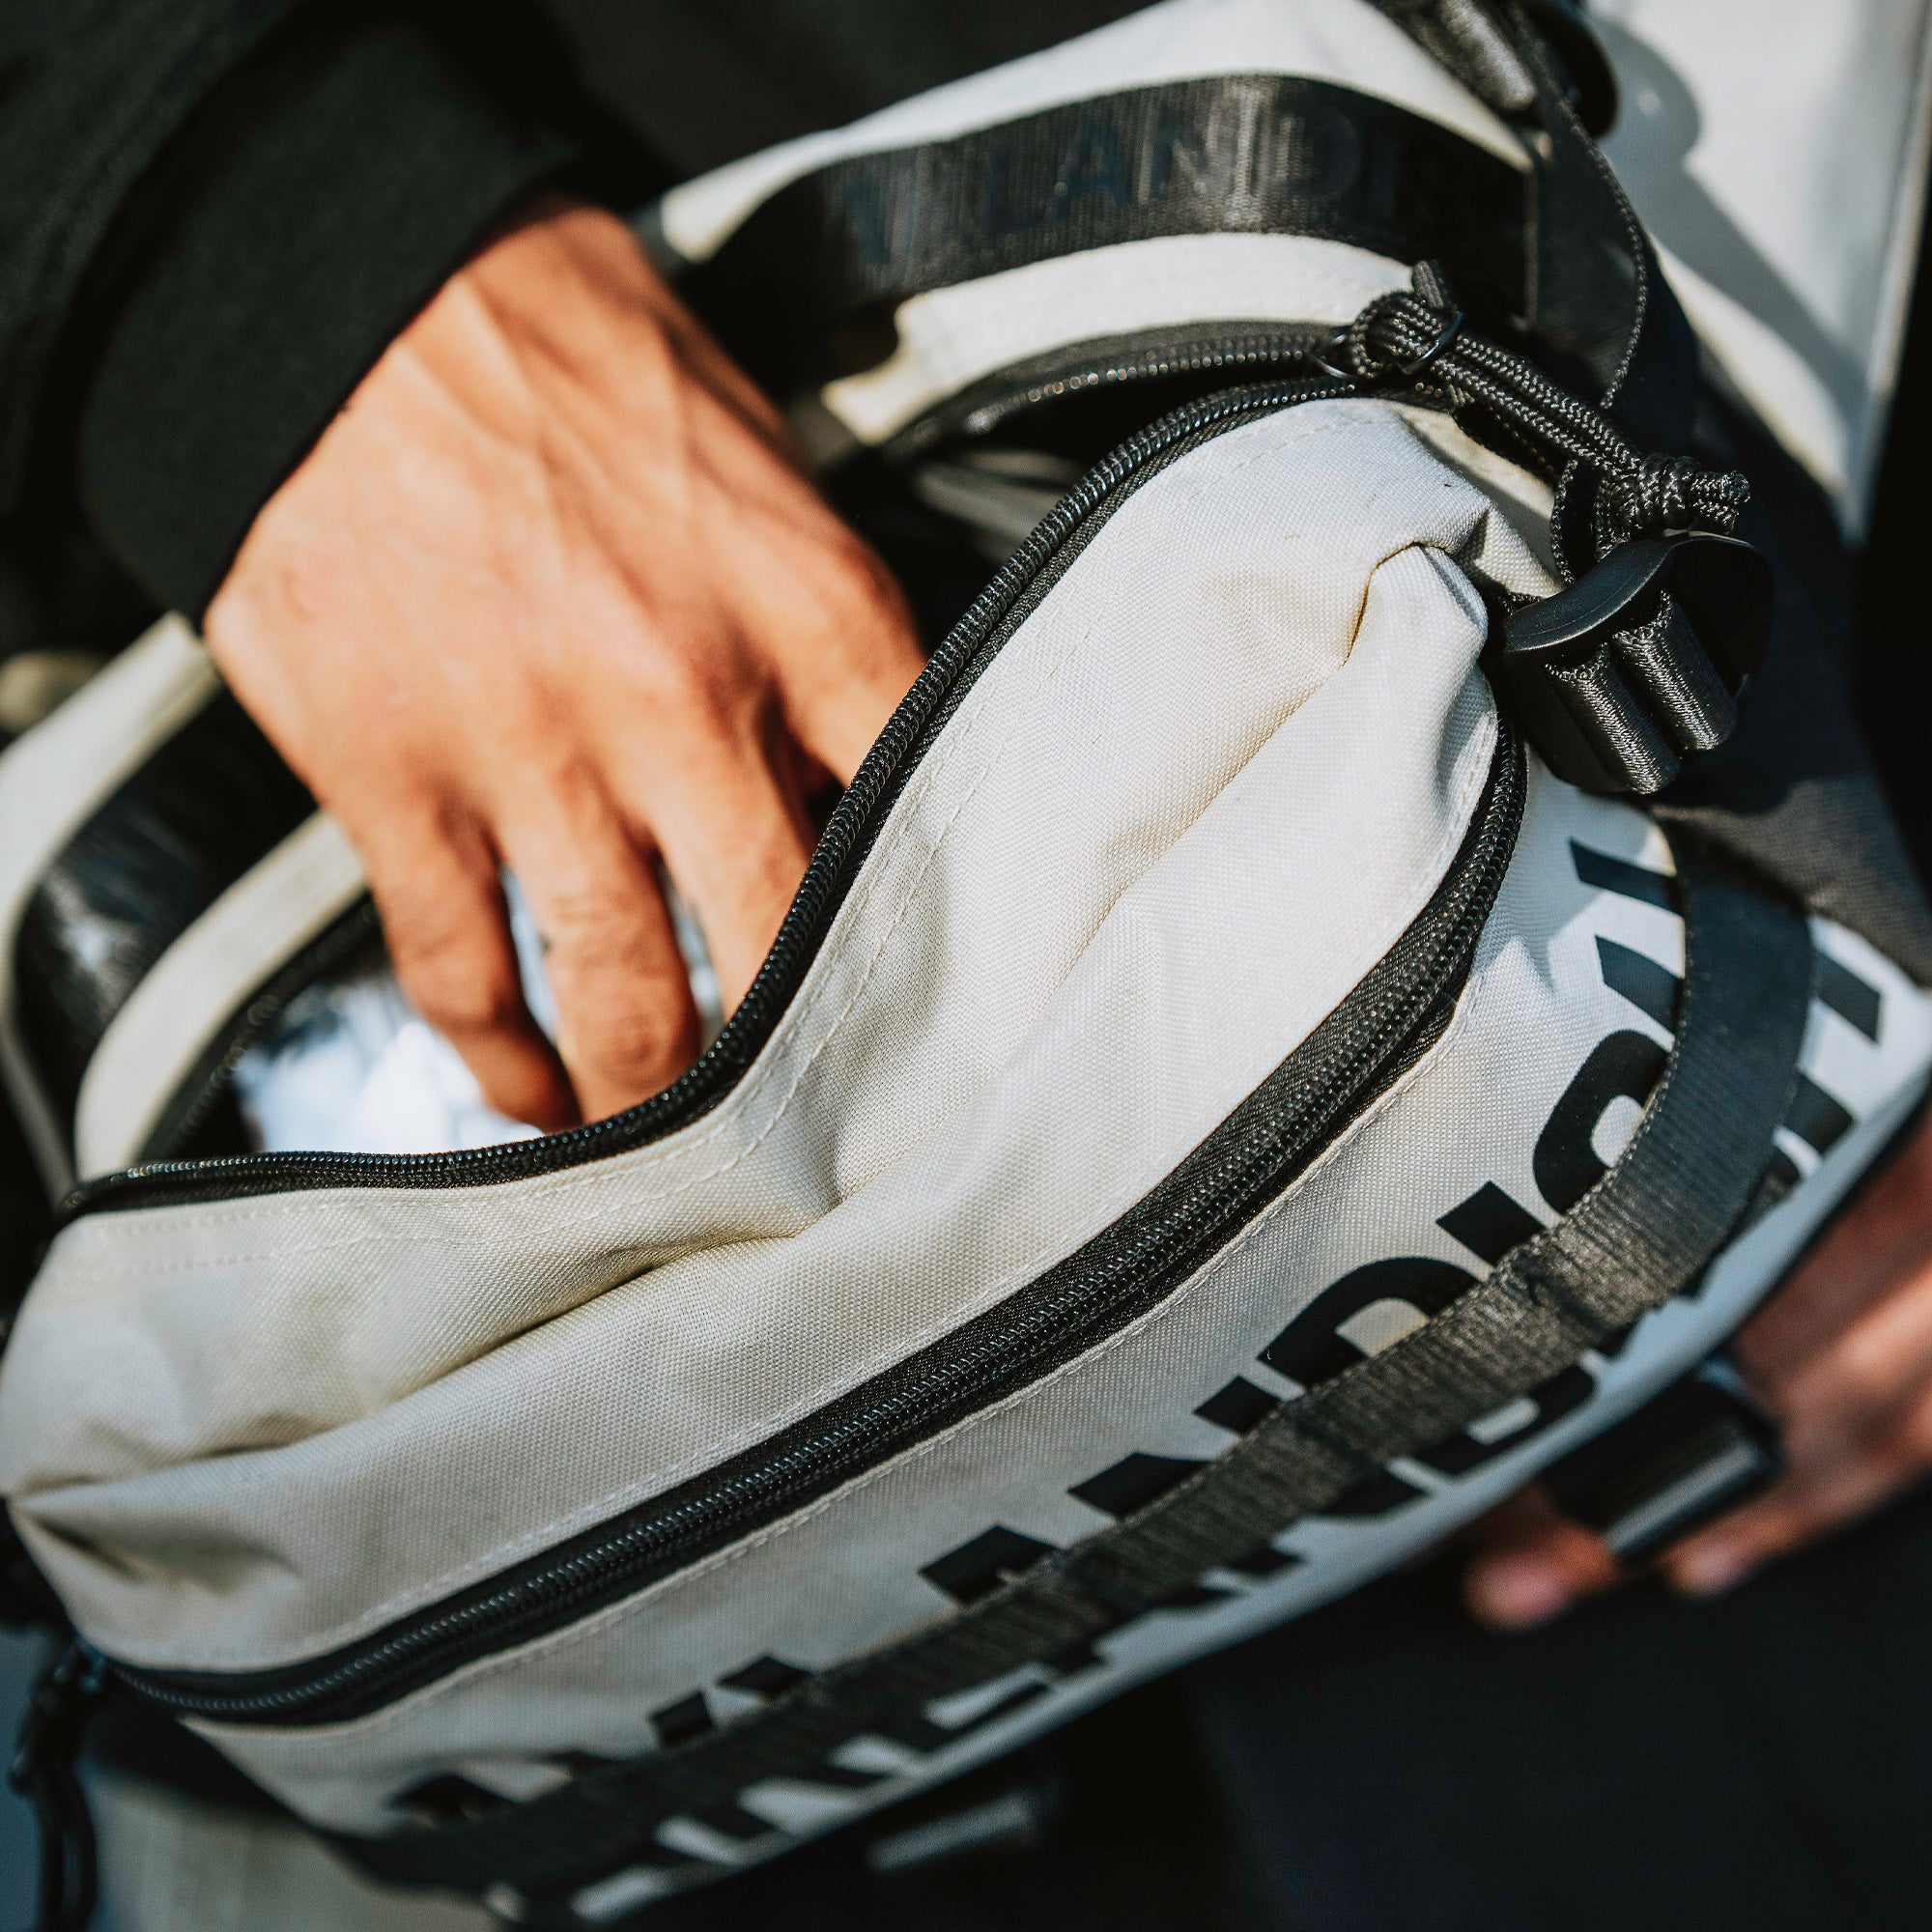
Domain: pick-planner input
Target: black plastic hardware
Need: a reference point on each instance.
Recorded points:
(1241, 1167)
(1639, 664)
(1692, 1453)
(1642, 662)
(43, 1772)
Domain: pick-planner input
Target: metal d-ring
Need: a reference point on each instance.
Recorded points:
(1338, 339)
(1444, 341)
(1328, 359)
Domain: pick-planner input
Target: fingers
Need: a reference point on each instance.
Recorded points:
(626, 1024)
(448, 935)
(1845, 1461)
(736, 841)
(1857, 1431)
(1532, 1564)
(1843, 1353)
(1854, 1376)
(1868, 1256)
(849, 652)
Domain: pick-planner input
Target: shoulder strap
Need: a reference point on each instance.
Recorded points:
(1644, 1234)
(1791, 795)
(808, 286)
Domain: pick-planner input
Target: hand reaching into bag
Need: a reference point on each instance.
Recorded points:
(553, 593)
(1841, 1353)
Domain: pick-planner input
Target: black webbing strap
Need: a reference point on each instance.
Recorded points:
(1792, 795)
(1644, 1234)
(1599, 300)
(806, 288)
(1598, 307)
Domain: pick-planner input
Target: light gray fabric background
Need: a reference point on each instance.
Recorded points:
(1825, 260)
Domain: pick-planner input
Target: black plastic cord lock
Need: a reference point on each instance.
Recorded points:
(1638, 665)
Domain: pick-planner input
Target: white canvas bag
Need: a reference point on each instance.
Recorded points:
(1221, 1112)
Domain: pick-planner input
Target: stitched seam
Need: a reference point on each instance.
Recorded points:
(1295, 435)
(720, 1449)
(561, 1187)
(737, 1104)
(574, 1635)
(1073, 646)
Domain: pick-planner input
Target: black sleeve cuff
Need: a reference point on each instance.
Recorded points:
(328, 205)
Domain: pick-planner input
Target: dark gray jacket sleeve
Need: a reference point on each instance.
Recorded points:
(91, 92)
(214, 217)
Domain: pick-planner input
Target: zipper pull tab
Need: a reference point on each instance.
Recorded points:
(43, 1772)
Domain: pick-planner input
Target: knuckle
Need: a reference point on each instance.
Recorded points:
(460, 1000)
(680, 676)
(591, 929)
(698, 687)
(1864, 1377)
(867, 589)
(455, 978)
(635, 1044)
(622, 996)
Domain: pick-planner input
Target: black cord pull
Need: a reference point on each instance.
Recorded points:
(1644, 661)
(44, 1773)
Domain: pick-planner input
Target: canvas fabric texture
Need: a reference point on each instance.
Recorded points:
(172, 1865)
(1172, 824)
(1218, 770)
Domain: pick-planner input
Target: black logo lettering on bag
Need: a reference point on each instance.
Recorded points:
(1370, 1307)
(978, 1568)
(1566, 1165)
(1638, 977)
(1855, 1001)
(1618, 876)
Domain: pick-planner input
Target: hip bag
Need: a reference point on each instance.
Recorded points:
(1313, 1011)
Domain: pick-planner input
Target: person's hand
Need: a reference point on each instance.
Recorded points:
(1841, 1353)
(553, 593)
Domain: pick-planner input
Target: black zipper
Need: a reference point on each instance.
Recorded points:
(970, 645)
(1377, 1030)
(1079, 368)
(1382, 1026)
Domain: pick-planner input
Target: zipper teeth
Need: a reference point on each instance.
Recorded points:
(843, 840)
(1232, 351)
(765, 1491)
(389, 1669)
(846, 840)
